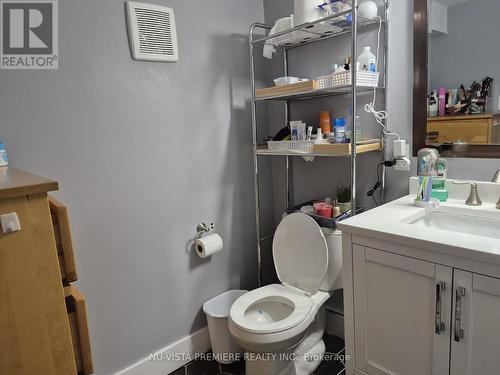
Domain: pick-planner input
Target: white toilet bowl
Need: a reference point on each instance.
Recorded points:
(273, 318)
(281, 326)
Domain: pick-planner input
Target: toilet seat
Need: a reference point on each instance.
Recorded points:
(249, 312)
(300, 253)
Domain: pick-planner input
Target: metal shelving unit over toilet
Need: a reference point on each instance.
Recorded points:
(317, 31)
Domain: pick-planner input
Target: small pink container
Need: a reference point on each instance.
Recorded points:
(323, 209)
(442, 101)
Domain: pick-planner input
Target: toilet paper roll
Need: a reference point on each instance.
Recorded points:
(208, 245)
(307, 11)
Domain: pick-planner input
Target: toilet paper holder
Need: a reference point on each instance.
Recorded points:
(203, 228)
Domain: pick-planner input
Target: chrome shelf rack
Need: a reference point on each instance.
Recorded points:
(313, 32)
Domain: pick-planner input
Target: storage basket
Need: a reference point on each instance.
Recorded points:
(366, 79)
(304, 147)
(323, 221)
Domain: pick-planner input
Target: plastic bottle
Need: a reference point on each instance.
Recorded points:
(442, 101)
(367, 61)
(340, 131)
(433, 104)
(3, 156)
(319, 137)
(325, 122)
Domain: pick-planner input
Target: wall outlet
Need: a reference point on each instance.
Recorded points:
(402, 164)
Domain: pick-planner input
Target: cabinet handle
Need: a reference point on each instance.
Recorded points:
(440, 288)
(459, 332)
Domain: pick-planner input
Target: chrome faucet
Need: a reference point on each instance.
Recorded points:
(497, 179)
(473, 199)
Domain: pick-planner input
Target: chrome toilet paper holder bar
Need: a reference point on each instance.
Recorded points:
(203, 228)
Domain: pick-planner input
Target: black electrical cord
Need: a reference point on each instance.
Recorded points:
(378, 184)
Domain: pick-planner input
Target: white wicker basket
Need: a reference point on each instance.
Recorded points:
(366, 79)
(303, 147)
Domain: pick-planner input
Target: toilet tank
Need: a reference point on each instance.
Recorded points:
(333, 278)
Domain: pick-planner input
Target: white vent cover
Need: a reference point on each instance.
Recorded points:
(152, 32)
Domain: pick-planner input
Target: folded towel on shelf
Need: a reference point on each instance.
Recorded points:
(282, 24)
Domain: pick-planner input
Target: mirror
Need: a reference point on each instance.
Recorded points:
(457, 77)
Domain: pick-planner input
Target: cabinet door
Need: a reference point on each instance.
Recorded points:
(402, 314)
(475, 342)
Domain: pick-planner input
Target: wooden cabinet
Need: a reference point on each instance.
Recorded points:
(77, 314)
(64, 243)
(469, 129)
(413, 316)
(35, 333)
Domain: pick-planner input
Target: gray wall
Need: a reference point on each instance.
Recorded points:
(471, 49)
(143, 152)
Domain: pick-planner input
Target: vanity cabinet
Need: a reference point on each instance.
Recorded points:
(475, 340)
(409, 313)
(402, 315)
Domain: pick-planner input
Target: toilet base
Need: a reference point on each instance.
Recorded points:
(301, 360)
(272, 366)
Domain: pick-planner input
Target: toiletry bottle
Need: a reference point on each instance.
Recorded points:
(309, 133)
(368, 61)
(319, 136)
(3, 156)
(336, 209)
(433, 104)
(442, 101)
(349, 124)
(340, 132)
(325, 122)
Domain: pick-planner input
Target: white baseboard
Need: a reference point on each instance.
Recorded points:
(172, 357)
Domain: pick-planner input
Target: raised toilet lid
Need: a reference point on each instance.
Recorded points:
(300, 252)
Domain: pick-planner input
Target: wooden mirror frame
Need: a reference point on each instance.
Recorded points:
(420, 89)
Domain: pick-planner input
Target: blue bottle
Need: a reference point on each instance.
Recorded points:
(340, 130)
(3, 156)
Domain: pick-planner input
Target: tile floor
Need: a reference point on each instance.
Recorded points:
(332, 366)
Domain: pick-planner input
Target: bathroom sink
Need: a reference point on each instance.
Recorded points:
(459, 220)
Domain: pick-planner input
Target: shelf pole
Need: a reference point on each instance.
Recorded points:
(288, 161)
(255, 157)
(354, 60)
(386, 69)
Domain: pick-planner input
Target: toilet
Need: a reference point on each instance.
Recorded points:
(281, 326)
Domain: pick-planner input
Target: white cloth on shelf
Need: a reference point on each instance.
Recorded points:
(281, 25)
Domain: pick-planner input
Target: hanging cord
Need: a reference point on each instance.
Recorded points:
(378, 184)
(380, 116)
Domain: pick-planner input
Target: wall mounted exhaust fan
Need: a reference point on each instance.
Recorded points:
(152, 32)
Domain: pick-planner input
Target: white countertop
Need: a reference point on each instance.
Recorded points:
(386, 223)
